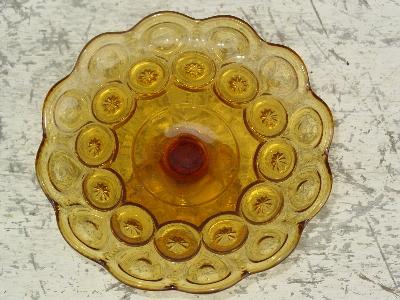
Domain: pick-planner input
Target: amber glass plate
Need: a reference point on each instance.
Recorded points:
(185, 154)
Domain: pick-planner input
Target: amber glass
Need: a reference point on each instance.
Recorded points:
(185, 154)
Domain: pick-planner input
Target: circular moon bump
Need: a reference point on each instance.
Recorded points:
(89, 228)
(279, 76)
(148, 77)
(95, 144)
(166, 37)
(304, 189)
(108, 61)
(236, 85)
(276, 159)
(306, 126)
(266, 116)
(144, 267)
(63, 171)
(70, 112)
(177, 241)
(207, 270)
(261, 203)
(264, 244)
(228, 42)
(102, 188)
(193, 70)
(113, 103)
(132, 224)
(225, 233)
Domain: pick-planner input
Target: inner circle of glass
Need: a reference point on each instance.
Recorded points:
(185, 156)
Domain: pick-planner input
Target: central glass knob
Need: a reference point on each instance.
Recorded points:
(185, 158)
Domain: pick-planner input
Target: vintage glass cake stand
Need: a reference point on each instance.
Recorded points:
(185, 154)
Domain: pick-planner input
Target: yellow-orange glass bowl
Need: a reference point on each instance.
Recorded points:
(185, 154)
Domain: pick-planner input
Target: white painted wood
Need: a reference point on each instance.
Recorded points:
(351, 250)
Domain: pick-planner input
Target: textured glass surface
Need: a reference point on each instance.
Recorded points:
(185, 154)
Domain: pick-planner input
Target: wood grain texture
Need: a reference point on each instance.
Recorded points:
(350, 250)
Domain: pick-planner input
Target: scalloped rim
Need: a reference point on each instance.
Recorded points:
(210, 287)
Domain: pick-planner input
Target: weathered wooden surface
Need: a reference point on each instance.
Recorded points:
(351, 250)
